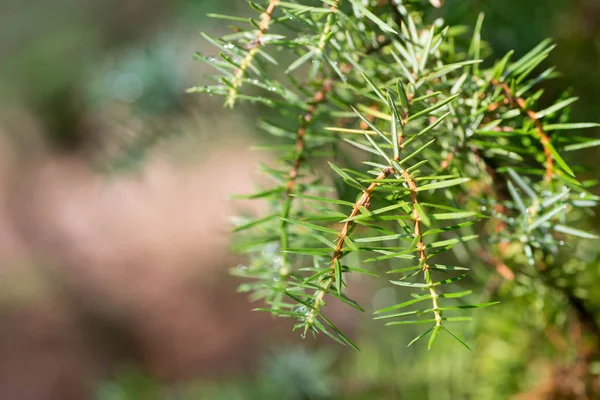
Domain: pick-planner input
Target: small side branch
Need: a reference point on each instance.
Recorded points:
(363, 201)
(421, 247)
(318, 98)
(543, 137)
(239, 74)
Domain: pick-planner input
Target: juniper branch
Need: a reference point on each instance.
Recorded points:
(542, 136)
(318, 98)
(254, 47)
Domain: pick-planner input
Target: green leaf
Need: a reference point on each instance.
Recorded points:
(584, 145)
(310, 226)
(421, 336)
(439, 267)
(538, 222)
(559, 160)
(554, 108)
(415, 322)
(434, 335)
(575, 125)
(401, 270)
(574, 232)
(410, 284)
(425, 55)
(379, 149)
(416, 152)
(338, 276)
(260, 195)
(366, 121)
(452, 242)
(384, 27)
(323, 251)
(396, 126)
(402, 95)
(522, 184)
(422, 215)
(361, 146)
(501, 65)
(459, 340)
(323, 199)
(378, 211)
(517, 198)
(381, 238)
(227, 17)
(551, 200)
(344, 175)
(374, 87)
(433, 108)
(362, 271)
(404, 304)
(543, 46)
(456, 295)
(446, 69)
(454, 215)
(475, 47)
(443, 184)
(448, 228)
(302, 60)
(339, 333)
(450, 280)
(254, 223)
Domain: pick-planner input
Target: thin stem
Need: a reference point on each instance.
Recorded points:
(318, 98)
(325, 35)
(363, 201)
(543, 137)
(421, 247)
(239, 74)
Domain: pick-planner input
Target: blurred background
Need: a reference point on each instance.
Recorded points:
(114, 221)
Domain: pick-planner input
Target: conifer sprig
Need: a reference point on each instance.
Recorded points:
(457, 141)
(252, 49)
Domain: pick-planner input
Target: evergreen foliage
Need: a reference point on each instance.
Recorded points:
(459, 153)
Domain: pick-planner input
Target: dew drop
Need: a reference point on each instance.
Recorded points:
(301, 310)
(523, 239)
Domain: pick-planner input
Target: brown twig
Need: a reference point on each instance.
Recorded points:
(543, 137)
(363, 201)
(318, 98)
(421, 245)
(253, 48)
